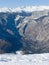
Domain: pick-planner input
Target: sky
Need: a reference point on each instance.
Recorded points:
(19, 3)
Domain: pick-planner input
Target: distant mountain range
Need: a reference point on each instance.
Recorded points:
(26, 9)
(25, 29)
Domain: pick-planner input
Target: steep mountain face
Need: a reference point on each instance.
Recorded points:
(26, 31)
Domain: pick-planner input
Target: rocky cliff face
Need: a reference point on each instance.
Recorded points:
(26, 31)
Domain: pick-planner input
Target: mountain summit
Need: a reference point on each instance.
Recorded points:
(25, 29)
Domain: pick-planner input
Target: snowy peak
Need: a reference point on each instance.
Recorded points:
(27, 9)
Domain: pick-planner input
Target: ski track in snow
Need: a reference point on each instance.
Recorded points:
(18, 59)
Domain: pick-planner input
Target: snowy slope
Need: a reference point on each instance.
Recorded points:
(34, 59)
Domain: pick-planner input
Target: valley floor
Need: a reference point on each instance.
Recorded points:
(18, 59)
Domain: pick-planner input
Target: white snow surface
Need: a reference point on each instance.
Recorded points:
(19, 59)
(26, 9)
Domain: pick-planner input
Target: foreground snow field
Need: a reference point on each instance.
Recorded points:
(18, 59)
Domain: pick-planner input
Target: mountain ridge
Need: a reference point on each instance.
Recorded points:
(26, 9)
(24, 31)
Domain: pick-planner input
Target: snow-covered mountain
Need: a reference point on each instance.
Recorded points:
(26, 9)
(25, 29)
